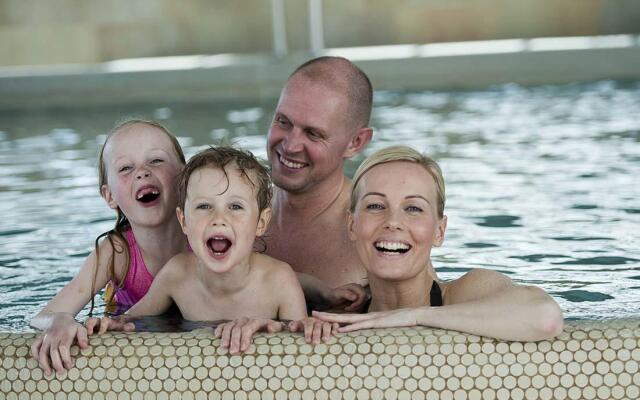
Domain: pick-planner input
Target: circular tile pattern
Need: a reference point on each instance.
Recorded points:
(589, 360)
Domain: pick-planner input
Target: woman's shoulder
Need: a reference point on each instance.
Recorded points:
(476, 283)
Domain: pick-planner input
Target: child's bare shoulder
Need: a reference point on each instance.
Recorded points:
(112, 246)
(272, 268)
(178, 267)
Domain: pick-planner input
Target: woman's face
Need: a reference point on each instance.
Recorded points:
(395, 222)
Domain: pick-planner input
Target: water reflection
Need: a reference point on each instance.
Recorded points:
(542, 184)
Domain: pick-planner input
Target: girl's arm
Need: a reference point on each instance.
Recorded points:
(482, 302)
(57, 318)
(158, 299)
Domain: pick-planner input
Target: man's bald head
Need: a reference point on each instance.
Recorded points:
(341, 75)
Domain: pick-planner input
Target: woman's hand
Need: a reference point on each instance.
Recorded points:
(314, 329)
(351, 297)
(237, 334)
(105, 324)
(379, 319)
(52, 347)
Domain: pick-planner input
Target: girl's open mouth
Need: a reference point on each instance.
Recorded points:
(147, 195)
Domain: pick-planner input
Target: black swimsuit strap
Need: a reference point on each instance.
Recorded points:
(435, 296)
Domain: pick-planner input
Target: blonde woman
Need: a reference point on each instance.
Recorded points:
(396, 217)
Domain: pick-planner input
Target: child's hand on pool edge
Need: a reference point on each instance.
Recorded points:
(52, 347)
(104, 324)
(351, 297)
(236, 335)
(315, 330)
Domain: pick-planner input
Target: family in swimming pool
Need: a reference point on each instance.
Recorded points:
(336, 235)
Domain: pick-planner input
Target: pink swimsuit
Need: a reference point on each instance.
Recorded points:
(138, 279)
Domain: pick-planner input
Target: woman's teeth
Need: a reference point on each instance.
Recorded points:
(395, 247)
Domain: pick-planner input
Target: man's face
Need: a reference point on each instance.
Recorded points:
(309, 135)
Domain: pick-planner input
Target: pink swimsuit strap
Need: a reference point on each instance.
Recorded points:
(138, 279)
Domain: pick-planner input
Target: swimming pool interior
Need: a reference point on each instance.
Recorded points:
(542, 185)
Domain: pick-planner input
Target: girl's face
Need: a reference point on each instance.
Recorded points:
(221, 217)
(141, 167)
(395, 222)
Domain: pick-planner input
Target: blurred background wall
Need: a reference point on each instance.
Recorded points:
(93, 31)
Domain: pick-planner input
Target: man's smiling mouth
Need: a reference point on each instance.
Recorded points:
(289, 163)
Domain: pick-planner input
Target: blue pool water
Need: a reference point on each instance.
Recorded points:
(542, 184)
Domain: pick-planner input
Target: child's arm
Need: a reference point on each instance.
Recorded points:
(56, 319)
(157, 300)
(283, 283)
(351, 296)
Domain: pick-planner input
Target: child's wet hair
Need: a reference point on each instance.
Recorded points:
(222, 156)
(122, 223)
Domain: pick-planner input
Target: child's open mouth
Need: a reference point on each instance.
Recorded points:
(147, 194)
(392, 248)
(219, 246)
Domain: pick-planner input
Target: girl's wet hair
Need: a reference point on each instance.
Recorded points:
(400, 153)
(222, 156)
(122, 223)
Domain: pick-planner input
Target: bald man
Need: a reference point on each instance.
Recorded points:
(320, 121)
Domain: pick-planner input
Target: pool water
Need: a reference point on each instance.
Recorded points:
(542, 184)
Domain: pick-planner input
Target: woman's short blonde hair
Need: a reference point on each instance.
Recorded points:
(400, 153)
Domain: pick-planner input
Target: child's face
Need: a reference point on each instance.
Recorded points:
(395, 222)
(221, 217)
(141, 166)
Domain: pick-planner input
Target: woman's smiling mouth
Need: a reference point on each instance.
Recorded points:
(391, 247)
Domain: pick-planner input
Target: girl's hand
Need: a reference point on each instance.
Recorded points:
(52, 347)
(105, 324)
(237, 334)
(314, 329)
(351, 296)
(380, 319)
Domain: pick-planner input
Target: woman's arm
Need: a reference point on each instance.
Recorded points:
(487, 303)
(482, 302)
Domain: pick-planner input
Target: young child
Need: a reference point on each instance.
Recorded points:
(138, 167)
(224, 204)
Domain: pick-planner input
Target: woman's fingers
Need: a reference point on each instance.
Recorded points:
(342, 318)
